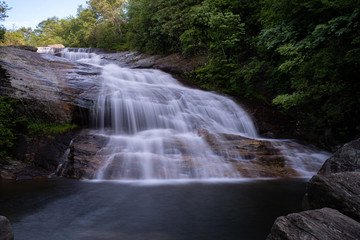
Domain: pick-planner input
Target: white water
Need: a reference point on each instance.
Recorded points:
(155, 125)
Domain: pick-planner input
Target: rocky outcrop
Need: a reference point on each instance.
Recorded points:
(87, 154)
(321, 224)
(6, 232)
(11, 169)
(340, 191)
(250, 157)
(36, 82)
(173, 63)
(336, 186)
(346, 159)
(47, 89)
(25, 47)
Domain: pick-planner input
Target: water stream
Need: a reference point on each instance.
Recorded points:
(160, 129)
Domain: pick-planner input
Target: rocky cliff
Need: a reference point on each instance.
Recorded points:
(46, 91)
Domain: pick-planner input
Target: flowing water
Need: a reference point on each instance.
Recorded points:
(159, 129)
(174, 173)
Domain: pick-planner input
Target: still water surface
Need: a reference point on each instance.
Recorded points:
(60, 209)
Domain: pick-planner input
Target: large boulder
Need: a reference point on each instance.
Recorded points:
(36, 82)
(340, 191)
(6, 232)
(346, 159)
(321, 224)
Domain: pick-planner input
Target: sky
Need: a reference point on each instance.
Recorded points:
(29, 13)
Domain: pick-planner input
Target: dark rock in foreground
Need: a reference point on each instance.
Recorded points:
(321, 224)
(340, 191)
(336, 186)
(346, 159)
(6, 232)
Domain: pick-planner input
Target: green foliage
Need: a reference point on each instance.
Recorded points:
(48, 30)
(100, 24)
(155, 26)
(11, 123)
(217, 29)
(48, 128)
(312, 50)
(221, 32)
(8, 120)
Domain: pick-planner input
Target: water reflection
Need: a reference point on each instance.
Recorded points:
(65, 209)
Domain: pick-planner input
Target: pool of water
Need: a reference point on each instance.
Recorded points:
(59, 209)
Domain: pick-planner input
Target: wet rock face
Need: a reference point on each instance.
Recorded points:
(50, 90)
(86, 156)
(340, 191)
(37, 82)
(6, 232)
(321, 224)
(346, 159)
(249, 157)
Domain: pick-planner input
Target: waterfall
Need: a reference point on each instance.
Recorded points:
(154, 123)
(159, 129)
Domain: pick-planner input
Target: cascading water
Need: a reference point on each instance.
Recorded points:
(154, 123)
(159, 129)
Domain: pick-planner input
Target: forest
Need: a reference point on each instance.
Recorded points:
(300, 56)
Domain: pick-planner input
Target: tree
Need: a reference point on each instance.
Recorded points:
(3, 9)
(312, 50)
(47, 32)
(155, 26)
(111, 11)
(14, 37)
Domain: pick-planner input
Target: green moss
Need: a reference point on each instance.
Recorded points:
(49, 129)
(8, 120)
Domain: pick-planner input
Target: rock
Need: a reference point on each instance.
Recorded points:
(36, 82)
(42, 151)
(49, 90)
(346, 159)
(322, 224)
(11, 169)
(56, 46)
(6, 232)
(250, 158)
(25, 47)
(340, 191)
(87, 154)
